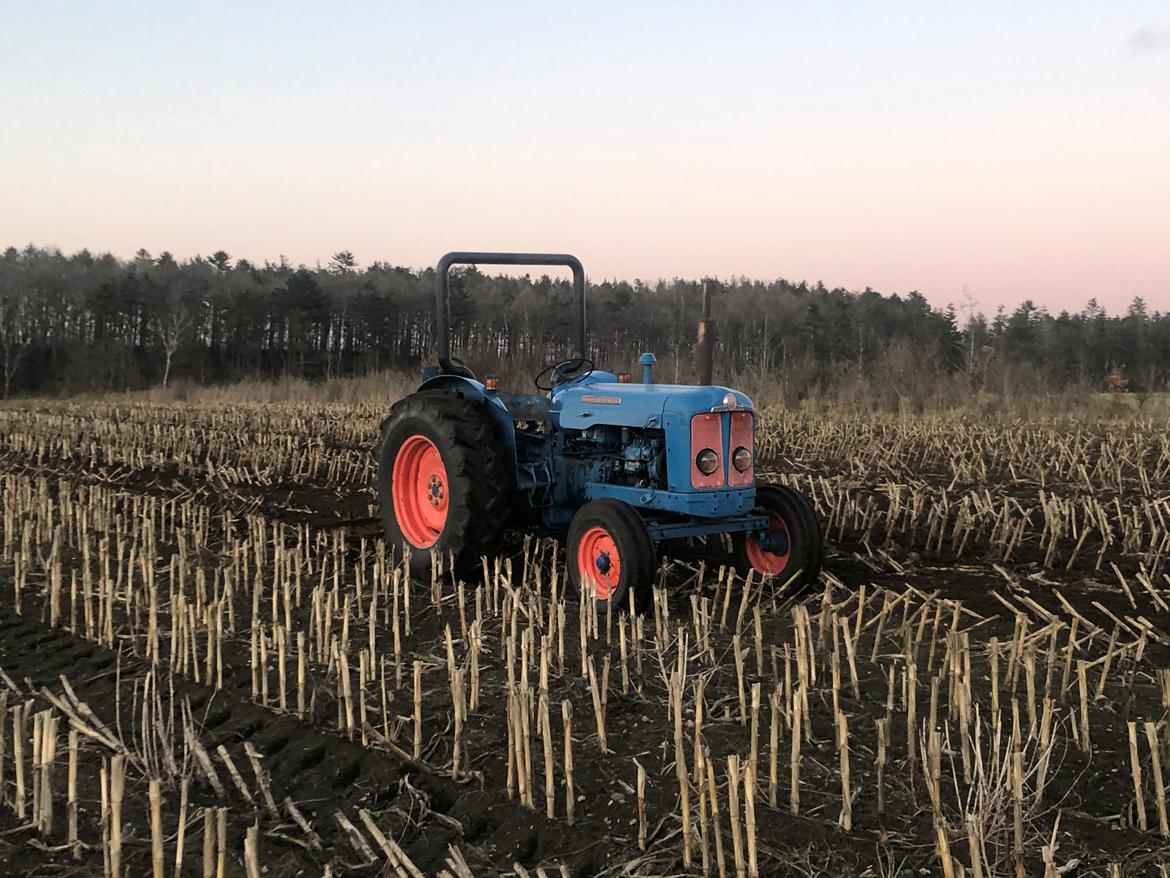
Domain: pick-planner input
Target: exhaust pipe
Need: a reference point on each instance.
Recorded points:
(706, 338)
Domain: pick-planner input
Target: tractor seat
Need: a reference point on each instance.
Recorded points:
(454, 367)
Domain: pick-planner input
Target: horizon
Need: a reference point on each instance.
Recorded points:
(1020, 154)
(963, 313)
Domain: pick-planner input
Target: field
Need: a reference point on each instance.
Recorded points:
(212, 665)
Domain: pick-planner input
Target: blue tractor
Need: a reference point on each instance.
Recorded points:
(615, 468)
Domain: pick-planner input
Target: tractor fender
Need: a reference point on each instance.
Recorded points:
(505, 429)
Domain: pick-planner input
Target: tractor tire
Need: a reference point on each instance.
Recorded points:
(790, 511)
(443, 480)
(609, 552)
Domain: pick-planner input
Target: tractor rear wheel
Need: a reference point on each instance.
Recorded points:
(610, 555)
(443, 482)
(793, 547)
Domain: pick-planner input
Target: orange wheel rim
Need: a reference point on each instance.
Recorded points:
(418, 486)
(761, 559)
(599, 562)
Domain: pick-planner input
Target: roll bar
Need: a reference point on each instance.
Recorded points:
(461, 257)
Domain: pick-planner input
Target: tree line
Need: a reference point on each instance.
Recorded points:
(93, 322)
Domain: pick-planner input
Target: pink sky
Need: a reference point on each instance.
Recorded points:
(1021, 153)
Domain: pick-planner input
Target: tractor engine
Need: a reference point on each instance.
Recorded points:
(613, 455)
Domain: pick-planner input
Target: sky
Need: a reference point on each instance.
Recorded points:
(1010, 150)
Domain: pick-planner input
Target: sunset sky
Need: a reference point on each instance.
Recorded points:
(1019, 150)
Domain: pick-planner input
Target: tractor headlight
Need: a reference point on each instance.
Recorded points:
(742, 459)
(707, 461)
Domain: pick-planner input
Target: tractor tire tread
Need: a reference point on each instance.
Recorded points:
(808, 527)
(477, 458)
(642, 562)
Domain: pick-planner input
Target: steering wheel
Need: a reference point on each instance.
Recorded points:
(564, 371)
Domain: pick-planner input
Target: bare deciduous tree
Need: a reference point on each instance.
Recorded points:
(14, 335)
(170, 329)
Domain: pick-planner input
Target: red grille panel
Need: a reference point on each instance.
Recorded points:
(741, 434)
(707, 432)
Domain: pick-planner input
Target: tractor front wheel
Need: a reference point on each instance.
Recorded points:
(610, 555)
(791, 550)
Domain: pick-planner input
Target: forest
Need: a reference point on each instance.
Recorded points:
(96, 323)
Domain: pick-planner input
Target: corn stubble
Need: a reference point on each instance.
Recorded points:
(863, 706)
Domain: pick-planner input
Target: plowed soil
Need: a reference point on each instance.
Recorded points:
(941, 595)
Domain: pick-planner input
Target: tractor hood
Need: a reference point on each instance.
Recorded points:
(585, 403)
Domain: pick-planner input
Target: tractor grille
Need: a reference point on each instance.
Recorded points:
(722, 432)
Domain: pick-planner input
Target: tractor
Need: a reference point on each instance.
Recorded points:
(616, 469)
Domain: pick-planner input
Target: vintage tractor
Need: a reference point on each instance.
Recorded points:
(615, 467)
